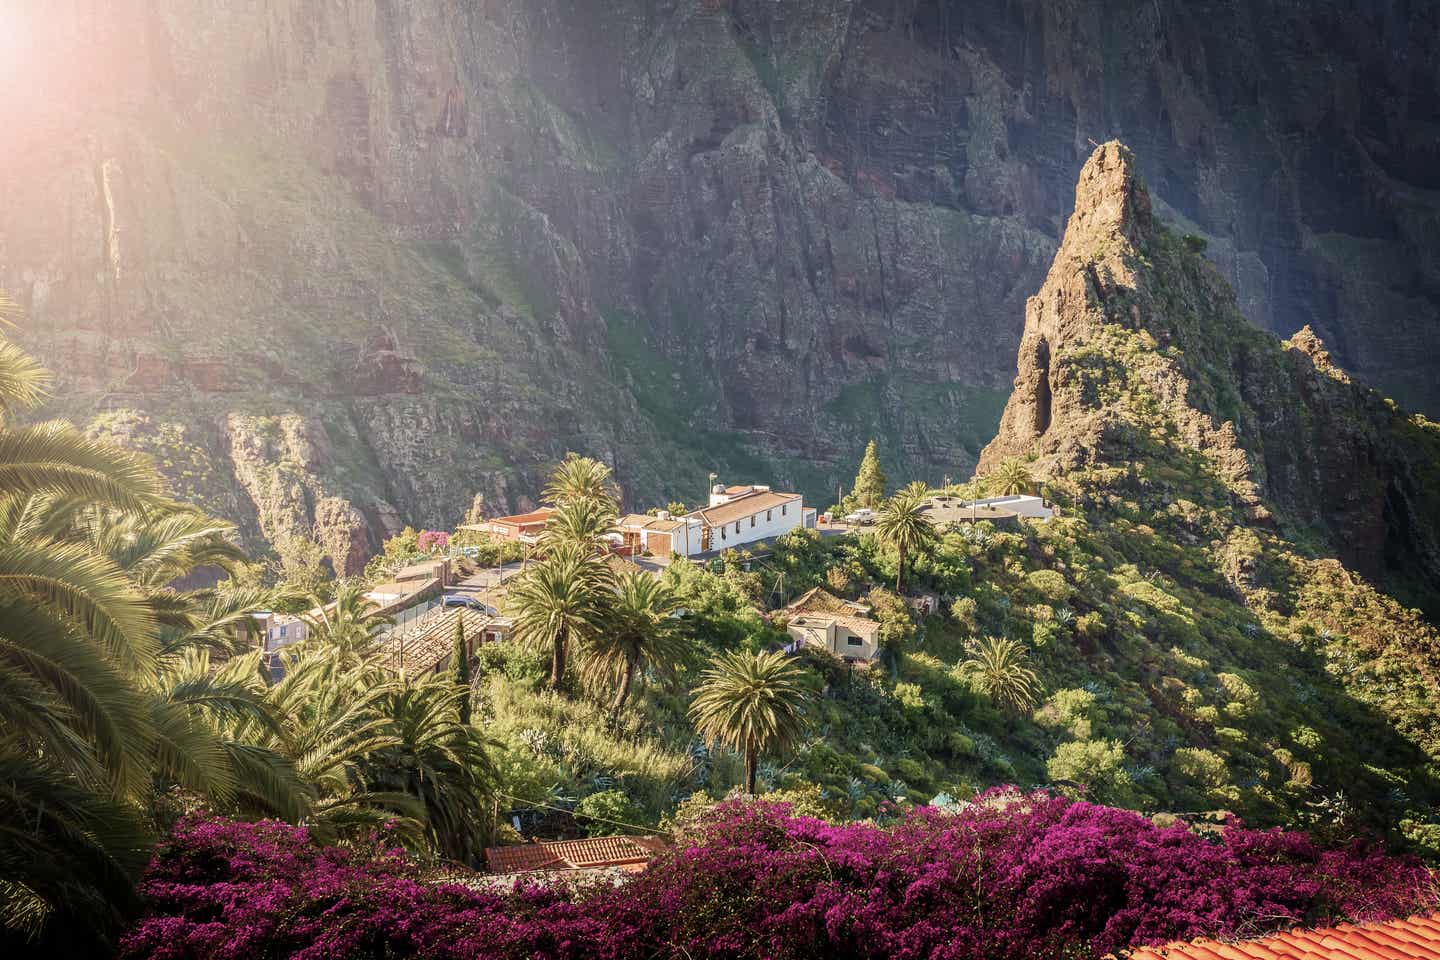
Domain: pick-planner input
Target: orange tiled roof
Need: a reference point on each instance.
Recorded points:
(1417, 938)
(586, 854)
(744, 506)
(539, 515)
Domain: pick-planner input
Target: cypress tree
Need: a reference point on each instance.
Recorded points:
(870, 480)
(462, 665)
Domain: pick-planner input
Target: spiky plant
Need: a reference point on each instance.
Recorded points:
(754, 703)
(1002, 668)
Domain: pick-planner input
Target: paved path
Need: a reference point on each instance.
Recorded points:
(484, 579)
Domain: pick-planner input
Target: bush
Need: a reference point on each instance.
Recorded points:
(1009, 876)
(608, 813)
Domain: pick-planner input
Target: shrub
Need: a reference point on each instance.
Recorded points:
(1008, 876)
(607, 813)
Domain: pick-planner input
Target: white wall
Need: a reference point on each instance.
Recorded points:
(1022, 504)
(779, 522)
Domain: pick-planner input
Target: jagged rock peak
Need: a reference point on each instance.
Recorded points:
(1109, 197)
(1111, 219)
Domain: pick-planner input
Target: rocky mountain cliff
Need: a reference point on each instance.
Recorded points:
(353, 261)
(1135, 365)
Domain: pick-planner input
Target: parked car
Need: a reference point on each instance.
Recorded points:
(464, 600)
(862, 517)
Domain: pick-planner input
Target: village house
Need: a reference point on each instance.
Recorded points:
(521, 527)
(430, 646)
(740, 515)
(736, 516)
(818, 618)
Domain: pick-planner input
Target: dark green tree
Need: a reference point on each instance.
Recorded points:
(462, 666)
(870, 479)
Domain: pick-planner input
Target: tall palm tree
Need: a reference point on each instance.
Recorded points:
(584, 521)
(576, 478)
(902, 524)
(561, 600)
(753, 703)
(641, 632)
(1003, 669)
(1013, 476)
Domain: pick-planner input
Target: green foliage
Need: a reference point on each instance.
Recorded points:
(752, 703)
(870, 481)
(1097, 765)
(608, 813)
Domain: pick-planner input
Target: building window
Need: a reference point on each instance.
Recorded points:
(854, 642)
(784, 509)
(737, 526)
(752, 520)
(767, 515)
(723, 535)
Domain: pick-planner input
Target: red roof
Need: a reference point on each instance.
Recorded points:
(631, 853)
(525, 519)
(1417, 938)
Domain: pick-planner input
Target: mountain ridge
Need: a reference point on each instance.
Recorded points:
(1299, 445)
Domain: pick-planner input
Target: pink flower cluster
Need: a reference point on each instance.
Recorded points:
(432, 541)
(1013, 876)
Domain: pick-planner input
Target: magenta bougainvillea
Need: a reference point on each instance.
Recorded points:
(1014, 876)
(432, 541)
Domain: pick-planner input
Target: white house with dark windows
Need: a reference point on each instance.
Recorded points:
(741, 515)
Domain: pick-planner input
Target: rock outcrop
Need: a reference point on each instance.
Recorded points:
(732, 235)
(1136, 364)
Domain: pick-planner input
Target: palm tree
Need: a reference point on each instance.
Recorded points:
(562, 599)
(349, 624)
(640, 632)
(1012, 477)
(915, 489)
(442, 761)
(106, 696)
(576, 478)
(1002, 666)
(753, 703)
(902, 524)
(584, 521)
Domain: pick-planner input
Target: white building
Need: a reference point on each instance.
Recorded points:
(1020, 504)
(735, 517)
(741, 515)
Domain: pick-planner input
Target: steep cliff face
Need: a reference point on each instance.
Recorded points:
(458, 239)
(1135, 363)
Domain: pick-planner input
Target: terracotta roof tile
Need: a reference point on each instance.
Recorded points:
(586, 854)
(1417, 938)
(744, 506)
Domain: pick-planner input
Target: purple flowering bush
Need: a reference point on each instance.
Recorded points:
(432, 541)
(1014, 876)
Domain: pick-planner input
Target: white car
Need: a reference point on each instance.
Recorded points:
(860, 517)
